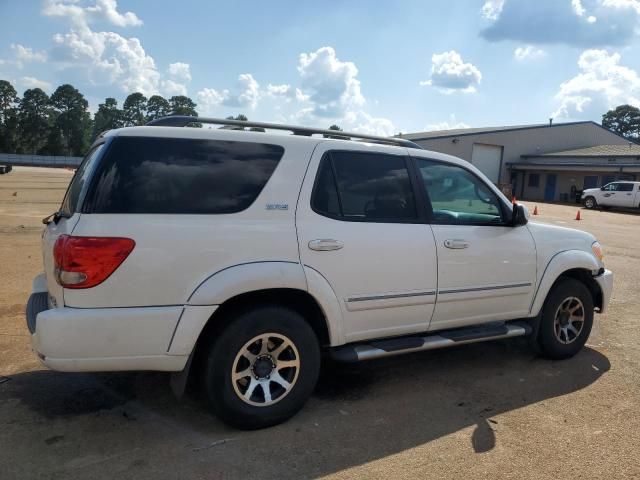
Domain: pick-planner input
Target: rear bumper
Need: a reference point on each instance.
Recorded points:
(113, 339)
(605, 281)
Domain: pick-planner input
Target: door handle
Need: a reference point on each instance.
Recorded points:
(325, 245)
(456, 244)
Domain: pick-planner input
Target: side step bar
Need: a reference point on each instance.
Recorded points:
(395, 346)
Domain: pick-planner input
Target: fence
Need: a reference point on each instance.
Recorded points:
(39, 160)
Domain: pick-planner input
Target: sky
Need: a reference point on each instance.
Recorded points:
(368, 66)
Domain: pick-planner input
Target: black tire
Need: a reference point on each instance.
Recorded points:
(554, 344)
(590, 203)
(3, 170)
(225, 351)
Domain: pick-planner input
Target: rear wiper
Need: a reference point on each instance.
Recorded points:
(55, 217)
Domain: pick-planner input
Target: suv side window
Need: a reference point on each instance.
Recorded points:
(612, 187)
(625, 187)
(365, 187)
(457, 196)
(181, 176)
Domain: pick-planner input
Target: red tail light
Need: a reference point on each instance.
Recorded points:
(84, 262)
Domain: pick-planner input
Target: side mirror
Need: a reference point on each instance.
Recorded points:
(602, 188)
(520, 215)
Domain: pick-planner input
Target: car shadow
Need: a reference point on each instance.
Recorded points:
(359, 413)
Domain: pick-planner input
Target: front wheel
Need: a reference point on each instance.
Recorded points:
(567, 318)
(590, 203)
(262, 368)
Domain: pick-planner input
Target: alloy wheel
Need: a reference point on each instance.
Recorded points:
(265, 369)
(569, 320)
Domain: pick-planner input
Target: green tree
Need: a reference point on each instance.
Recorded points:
(55, 144)
(72, 119)
(34, 121)
(181, 105)
(624, 120)
(8, 98)
(157, 107)
(8, 117)
(108, 117)
(337, 129)
(135, 110)
(241, 118)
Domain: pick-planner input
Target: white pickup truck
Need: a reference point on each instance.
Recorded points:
(614, 194)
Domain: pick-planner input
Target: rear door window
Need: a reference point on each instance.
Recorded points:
(368, 187)
(187, 176)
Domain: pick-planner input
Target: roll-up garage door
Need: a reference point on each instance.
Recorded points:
(487, 159)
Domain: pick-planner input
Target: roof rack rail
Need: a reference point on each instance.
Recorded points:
(184, 120)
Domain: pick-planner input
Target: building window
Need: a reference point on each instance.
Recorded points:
(534, 180)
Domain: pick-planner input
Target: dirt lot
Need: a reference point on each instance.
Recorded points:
(480, 411)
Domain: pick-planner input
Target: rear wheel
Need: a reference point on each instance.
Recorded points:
(590, 203)
(567, 318)
(262, 368)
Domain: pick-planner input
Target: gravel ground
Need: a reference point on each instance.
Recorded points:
(490, 410)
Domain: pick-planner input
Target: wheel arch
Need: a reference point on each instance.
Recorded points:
(576, 264)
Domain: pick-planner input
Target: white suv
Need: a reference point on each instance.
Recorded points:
(248, 254)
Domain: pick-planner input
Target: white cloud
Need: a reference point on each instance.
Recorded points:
(108, 9)
(331, 85)
(492, 8)
(27, 54)
(582, 23)
(108, 58)
(449, 124)
(577, 7)
(105, 10)
(32, 82)
(528, 52)
(170, 88)
(283, 90)
(361, 122)
(450, 74)
(180, 71)
(601, 84)
(247, 95)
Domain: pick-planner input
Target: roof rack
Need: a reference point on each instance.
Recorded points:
(184, 120)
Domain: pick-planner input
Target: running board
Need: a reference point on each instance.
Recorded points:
(395, 346)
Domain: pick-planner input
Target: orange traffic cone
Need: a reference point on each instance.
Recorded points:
(535, 210)
(578, 215)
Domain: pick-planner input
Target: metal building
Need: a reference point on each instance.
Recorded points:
(540, 162)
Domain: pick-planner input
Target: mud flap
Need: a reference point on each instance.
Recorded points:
(178, 380)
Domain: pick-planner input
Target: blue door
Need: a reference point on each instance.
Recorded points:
(550, 187)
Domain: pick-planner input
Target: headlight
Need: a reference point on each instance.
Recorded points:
(596, 248)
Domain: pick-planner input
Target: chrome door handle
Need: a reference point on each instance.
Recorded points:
(325, 244)
(456, 244)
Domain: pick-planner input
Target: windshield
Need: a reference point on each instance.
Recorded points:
(78, 186)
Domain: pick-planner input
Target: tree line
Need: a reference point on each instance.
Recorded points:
(61, 124)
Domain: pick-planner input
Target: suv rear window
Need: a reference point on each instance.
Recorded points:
(175, 175)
